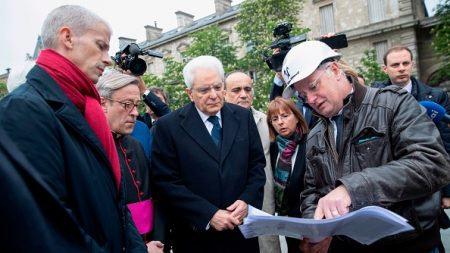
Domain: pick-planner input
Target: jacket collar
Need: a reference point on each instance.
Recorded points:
(359, 91)
(257, 115)
(63, 108)
(355, 98)
(195, 128)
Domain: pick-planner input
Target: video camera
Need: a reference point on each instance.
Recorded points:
(128, 58)
(284, 42)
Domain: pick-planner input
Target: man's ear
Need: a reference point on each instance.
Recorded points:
(189, 93)
(384, 67)
(336, 70)
(65, 36)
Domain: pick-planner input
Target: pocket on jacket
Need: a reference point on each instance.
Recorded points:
(321, 167)
(369, 148)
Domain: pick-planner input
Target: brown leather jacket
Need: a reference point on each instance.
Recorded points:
(392, 156)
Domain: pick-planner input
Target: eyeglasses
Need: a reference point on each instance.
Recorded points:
(313, 87)
(128, 106)
(206, 89)
(282, 116)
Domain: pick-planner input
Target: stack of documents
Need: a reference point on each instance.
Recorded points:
(366, 225)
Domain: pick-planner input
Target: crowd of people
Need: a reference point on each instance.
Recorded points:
(83, 171)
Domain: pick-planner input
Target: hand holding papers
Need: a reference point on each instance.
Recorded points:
(365, 225)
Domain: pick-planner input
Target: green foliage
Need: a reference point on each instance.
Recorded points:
(441, 41)
(171, 82)
(213, 41)
(3, 89)
(256, 21)
(208, 41)
(370, 68)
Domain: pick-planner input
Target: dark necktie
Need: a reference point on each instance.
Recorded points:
(338, 119)
(216, 132)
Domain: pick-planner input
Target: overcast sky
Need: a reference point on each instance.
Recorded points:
(21, 20)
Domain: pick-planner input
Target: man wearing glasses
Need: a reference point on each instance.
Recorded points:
(370, 147)
(208, 164)
(120, 100)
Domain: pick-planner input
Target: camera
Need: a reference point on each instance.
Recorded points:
(128, 58)
(284, 41)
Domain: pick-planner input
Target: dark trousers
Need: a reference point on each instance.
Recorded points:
(293, 245)
(424, 243)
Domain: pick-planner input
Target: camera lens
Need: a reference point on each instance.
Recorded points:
(138, 66)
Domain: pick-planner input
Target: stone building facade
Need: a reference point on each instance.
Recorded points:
(378, 24)
(175, 41)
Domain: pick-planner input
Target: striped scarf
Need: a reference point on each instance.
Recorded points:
(283, 168)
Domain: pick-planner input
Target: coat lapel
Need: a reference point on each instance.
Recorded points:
(196, 129)
(230, 126)
(73, 118)
(64, 109)
(299, 166)
(256, 116)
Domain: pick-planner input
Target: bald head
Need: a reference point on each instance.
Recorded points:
(239, 89)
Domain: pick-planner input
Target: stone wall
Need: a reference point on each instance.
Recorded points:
(401, 26)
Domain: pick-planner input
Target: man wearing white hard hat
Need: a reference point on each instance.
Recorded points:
(369, 147)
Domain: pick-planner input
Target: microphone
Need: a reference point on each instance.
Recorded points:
(436, 112)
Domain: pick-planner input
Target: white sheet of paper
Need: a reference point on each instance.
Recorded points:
(366, 225)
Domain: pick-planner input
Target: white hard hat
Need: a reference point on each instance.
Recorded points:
(303, 59)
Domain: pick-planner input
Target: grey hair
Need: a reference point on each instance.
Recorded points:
(113, 80)
(201, 62)
(18, 75)
(324, 66)
(78, 18)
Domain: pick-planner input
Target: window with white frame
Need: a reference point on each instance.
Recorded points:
(381, 48)
(376, 10)
(326, 19)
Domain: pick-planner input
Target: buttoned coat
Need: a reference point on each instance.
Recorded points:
(195, 178)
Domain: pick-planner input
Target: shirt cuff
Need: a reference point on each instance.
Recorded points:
(146, 93)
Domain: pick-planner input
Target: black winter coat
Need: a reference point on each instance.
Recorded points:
(54, 136)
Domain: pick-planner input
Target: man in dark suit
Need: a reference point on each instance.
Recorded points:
(208, 164)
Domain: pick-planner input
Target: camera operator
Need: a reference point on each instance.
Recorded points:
(159, 107)
(280, 47)
(127, 61)
(278, 87)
